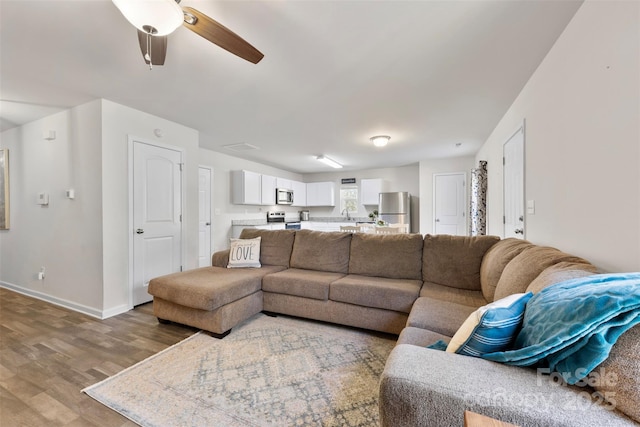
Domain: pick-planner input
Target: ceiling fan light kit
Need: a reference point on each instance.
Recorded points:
(329, 162)
(380, 140)
(156, 17)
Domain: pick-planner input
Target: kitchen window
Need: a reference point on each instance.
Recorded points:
(349, 199)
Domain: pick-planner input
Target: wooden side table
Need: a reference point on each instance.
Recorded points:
(472, 419)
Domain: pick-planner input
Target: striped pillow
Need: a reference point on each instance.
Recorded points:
(490, 328)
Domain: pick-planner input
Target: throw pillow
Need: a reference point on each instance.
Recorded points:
(244, 253)
(490, 328)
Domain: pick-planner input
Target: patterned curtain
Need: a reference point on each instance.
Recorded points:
(478, 223)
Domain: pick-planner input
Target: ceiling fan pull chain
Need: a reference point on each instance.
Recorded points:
(148, 55)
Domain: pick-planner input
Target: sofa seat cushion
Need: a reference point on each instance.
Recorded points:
(209, 288)
(395, 256)
(447, 293)
(455, 260)
(420, 337)
(275, 245)
(301, 283)
(443, 317)
(321, 251)
(377, 292)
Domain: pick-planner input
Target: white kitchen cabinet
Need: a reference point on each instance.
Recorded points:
(246, 188)
(321, 194)
(370, 190)
(284, 183)
(268, 190)
(299, 193)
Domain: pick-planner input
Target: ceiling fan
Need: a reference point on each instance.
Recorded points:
(155, 19)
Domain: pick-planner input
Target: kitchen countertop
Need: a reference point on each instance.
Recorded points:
(255, 222)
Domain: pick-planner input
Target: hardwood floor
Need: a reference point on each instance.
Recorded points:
(48, 354)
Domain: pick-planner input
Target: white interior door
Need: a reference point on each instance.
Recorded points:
(157, 215)
(513, 173)
(449, 204)
(205, 176)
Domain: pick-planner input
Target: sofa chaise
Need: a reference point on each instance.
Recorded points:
(422, 289)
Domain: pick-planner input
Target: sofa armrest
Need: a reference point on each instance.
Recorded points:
(220, 258)
(424, 387)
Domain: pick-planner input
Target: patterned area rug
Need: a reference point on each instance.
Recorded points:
(267, 372)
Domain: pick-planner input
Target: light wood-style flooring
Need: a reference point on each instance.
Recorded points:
(48, 354)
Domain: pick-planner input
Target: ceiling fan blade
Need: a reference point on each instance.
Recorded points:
(220, 35)
(158, 48)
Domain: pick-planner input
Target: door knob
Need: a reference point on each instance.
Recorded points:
(519, 231)
(207, 224)
(437, 219)
(139, 231)
(521, 218)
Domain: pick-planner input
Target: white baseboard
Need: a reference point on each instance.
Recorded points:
(80, 308)
(115, 311)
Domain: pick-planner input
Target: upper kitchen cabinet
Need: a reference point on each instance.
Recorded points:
(370, 190)
(284, 183)
(246, 188)
(320, 194)
(268, 190)
(299, 193)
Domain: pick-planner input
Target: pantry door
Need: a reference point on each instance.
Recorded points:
(449, 204)
(157, 215)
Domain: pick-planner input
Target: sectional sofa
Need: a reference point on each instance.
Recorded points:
(421, 288)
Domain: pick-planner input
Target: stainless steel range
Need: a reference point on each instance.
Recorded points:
(279, 216)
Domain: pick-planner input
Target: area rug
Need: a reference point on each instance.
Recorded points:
(268, 372)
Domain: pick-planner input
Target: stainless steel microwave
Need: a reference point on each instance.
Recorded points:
(284, 196)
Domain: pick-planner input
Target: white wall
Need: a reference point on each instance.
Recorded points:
(66, 236)
(118, 122)
(427, 169)
(404, 178)
(582, 111)
(223, 211)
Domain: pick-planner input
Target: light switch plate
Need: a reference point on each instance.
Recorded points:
(531, 207)
(43, 199)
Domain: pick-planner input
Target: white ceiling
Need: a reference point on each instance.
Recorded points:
(431, 74)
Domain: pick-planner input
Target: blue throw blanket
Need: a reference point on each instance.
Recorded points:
(571, 326)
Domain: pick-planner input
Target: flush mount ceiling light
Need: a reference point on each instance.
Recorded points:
(329, 162)
(155, 17)
(380, 140)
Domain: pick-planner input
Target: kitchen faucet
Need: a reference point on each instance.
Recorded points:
(347, 211)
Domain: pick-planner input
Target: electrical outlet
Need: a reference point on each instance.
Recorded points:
(41, 274)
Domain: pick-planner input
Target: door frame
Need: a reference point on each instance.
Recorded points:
(520, 128)
(466, 200)
(132, 140)
(212, 207)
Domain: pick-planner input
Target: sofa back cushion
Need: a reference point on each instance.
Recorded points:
(525, 267)
(455, 260)
(321, 250)
(494, 262)
(394, 256)
(559, 273)
(275, 246)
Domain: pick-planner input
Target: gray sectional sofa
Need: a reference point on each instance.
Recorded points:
(423, 289)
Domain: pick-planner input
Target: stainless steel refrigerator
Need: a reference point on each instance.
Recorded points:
(395, 208)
